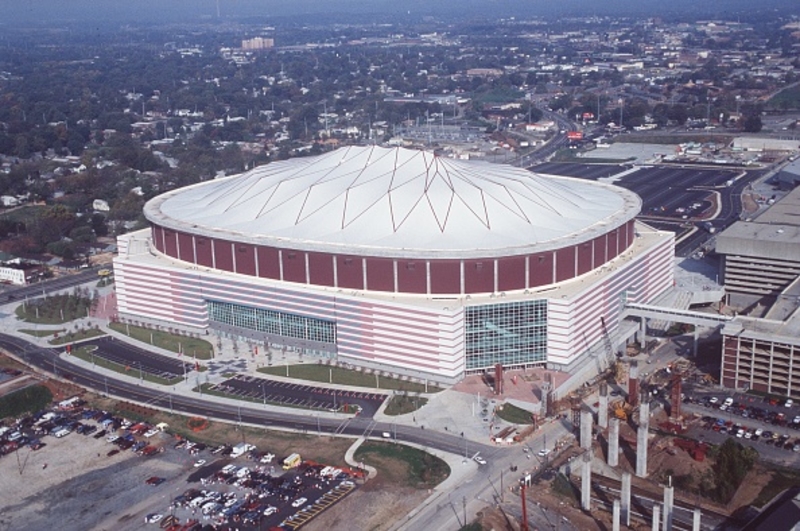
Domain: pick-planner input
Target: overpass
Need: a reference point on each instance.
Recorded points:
(697, 319)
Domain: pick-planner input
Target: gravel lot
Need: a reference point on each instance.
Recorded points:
(79, 490)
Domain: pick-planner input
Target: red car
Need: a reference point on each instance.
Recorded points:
(155, 480)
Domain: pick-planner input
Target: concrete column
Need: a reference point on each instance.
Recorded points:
(626, 498)
(696, 519)
(586, 482)
(613, 443)
(615, 516)
(669, 495)
(602, 412)
(695, 341)
(656, 516)
(644, 413)
(586, 429)
(641, 452)
(643, 333)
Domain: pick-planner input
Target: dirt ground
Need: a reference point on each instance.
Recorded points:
(83, 488)
(374, 507)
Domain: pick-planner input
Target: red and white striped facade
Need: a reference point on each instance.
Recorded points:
(396, 248)
(417, 335)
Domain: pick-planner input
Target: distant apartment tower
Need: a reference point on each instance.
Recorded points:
(258, 43)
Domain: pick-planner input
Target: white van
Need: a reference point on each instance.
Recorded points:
(728, 401)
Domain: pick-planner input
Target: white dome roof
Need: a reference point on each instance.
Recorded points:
(379, 201)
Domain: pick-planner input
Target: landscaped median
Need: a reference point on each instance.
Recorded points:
(56, 309)
(317, 372)
(191, 347)
(86, 354)
(404, 403)
(403, 465)
(80, 335)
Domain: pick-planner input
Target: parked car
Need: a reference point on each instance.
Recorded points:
(298, 502)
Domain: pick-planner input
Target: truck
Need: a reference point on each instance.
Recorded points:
(293, 461)
(241, 449)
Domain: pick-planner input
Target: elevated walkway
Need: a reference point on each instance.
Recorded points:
(692, 317)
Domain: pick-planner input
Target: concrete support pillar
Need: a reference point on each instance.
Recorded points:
(643, 333)
(644, 413)
(625, 502)
(613, 443)
(656, 516)
(602, 412)
(615, 516)
(669, 496)
(641, 452)
(586, 429)
(696, 519)
(695, 341)
(586, 482)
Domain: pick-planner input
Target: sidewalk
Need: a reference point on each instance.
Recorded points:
(450, 411)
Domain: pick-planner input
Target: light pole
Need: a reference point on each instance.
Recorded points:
(263, 393)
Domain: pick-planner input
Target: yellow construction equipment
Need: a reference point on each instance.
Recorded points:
(621, 409)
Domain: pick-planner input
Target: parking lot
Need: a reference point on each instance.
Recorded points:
(251, 493)
(769, 426)
(78, 480)
(299, 395)
(674, 198)
(137, 359)
(581, 171)
(73, 460)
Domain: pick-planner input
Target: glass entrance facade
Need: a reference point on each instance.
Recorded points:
(513, 334)
(273, 323)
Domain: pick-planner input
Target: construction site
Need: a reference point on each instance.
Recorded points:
(633, 460)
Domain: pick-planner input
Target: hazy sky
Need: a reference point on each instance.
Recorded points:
(48, 11)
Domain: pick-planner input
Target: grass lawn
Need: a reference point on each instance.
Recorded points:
(54, 309)
(402, 404)
(77, 336)
(403, 465)
(513, 414)
(190, 346)
(85, 353)
(328, 450)
(782, 479)
(323, 373)
(562, 486)
(43, 333)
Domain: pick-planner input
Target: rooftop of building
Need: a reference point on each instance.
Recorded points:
(397, 202)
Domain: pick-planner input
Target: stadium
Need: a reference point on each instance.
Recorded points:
(398, 260)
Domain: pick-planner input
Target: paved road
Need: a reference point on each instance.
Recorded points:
(489, 483)
(138, 359)
(47, 360)
(48, 286)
